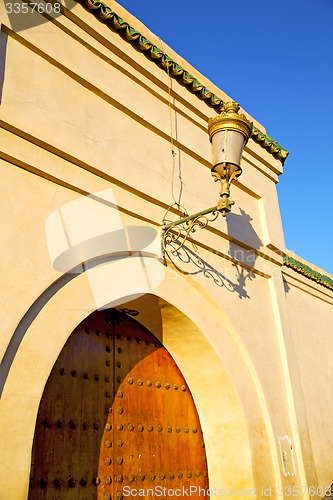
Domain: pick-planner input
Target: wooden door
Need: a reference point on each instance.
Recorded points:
(116, 416)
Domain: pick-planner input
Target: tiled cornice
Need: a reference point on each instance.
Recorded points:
(110, 17)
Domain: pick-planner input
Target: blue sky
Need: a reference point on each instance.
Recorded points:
(276, 59)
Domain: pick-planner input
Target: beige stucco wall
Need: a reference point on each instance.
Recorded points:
(310, 314)
(82, 111)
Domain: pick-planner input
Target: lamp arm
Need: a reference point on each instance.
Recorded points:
(189, 218)
(179, 230)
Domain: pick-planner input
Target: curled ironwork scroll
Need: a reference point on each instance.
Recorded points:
(177, 232)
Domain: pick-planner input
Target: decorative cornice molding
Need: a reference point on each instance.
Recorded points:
(301, 268)
(110, 17)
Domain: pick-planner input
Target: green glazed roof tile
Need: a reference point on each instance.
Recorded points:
(307, 271)
(157, 55)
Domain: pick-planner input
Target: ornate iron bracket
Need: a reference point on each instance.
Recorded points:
(179, 230)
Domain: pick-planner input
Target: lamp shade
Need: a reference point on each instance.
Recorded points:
(227, 147)
(228, 133)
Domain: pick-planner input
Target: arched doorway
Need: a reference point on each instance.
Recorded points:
(116, 415)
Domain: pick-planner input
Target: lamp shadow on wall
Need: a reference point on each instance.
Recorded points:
(240, 227)
(197, 266)
(189, 262)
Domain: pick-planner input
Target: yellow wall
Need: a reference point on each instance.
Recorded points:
(82, 112)
(311, 318)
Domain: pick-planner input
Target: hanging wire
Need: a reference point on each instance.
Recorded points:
(173, 152)
(175, 203)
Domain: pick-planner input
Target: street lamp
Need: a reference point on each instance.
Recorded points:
(228, 134)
